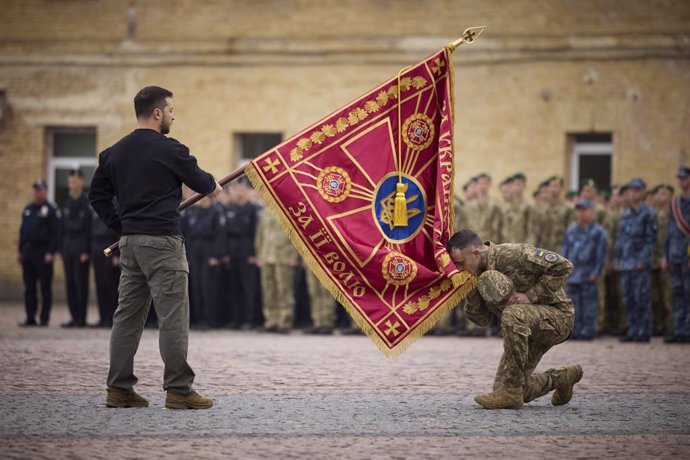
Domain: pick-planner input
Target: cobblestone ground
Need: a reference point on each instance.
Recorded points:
(300, 396)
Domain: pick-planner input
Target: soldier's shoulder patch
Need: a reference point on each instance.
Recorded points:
(541, 254)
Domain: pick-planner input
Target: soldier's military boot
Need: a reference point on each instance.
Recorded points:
(192, 400)
(502, 398)
(122, 398)
(563, 381)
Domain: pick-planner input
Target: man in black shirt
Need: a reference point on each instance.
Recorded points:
(75, 248)
(145, 171)
(38, 241)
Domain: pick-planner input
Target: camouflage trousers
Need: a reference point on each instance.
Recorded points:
(615, 319)
(680, 285)
(321, 302)
(635, 287)
(585, 298)
(278, 295)
(662, 303)
(529, 331)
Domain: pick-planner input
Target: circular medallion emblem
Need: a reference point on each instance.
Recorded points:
(398, 269)
(550, 257)
(418, 131)
(384, 204)
(334, 184)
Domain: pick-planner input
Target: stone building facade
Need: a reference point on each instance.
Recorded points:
(545, 75)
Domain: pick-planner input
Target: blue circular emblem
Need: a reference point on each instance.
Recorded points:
(384, 204)
(399, 268)
(333, 184)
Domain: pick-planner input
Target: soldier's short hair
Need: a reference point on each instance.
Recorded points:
(463, 239)
(149, 99)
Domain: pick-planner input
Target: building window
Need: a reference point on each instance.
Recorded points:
(69, 148)
(591, 158)
(250, 145)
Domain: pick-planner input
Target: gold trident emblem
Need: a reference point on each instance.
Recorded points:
(388, 205)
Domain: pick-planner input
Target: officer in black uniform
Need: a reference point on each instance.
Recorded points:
(206, 247)
(106, 270)
(76, 248)
(242, 277)
(38, 241)
(187, 221)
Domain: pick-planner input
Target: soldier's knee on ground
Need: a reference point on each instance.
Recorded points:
(495, 288)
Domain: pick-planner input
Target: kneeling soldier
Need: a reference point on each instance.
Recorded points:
(522, 285)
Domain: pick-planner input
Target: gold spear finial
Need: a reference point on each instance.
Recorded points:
(468, 36)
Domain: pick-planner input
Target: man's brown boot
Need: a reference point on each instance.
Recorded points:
(563, 381)
(123, 398)
(192, 400)
(503, 398)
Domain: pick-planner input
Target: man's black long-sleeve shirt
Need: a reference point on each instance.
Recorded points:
(145, 171)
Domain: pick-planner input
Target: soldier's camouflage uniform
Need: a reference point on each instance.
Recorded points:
(633, 251)
(529, 330)
(321, 302)
(586, 247)
(662, 301)
(553, 223)
(677, 252)
(485, 219)
(612, 317)
(277, 257)
(515, 226)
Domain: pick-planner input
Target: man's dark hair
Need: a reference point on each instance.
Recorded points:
(463, 239)
(149, 99)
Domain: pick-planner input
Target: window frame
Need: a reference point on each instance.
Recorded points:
(75, 162)
(579, 149)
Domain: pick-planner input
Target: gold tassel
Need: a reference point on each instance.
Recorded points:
(400, 209)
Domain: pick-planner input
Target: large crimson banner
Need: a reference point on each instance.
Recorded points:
(333, 188)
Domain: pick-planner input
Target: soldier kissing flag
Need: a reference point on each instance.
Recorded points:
(366, 196)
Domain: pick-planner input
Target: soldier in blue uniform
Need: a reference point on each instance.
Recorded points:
(76, 248)
(106, 270)
(633, 258)
(38, 241)
(677, 258)
(585, 245)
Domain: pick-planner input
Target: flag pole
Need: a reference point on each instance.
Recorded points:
(468, 36)
(110, 250)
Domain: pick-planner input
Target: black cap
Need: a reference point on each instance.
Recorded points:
(40, 183)
(683, 172)
(76, 173)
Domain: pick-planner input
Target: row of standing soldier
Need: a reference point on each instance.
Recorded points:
(622, 249)
(238, 254)
(79, 235)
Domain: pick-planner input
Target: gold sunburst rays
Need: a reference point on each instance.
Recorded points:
(411, 156)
